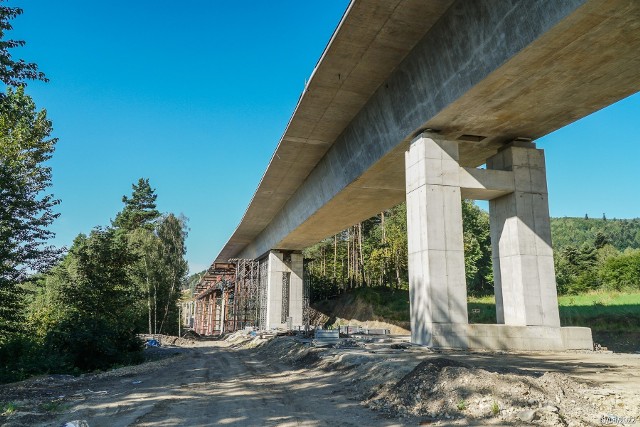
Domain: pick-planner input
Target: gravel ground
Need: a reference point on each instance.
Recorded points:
(245, 381)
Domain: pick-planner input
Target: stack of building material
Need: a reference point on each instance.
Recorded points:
(326, 337)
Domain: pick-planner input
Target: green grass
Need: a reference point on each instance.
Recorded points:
(54, 406)
(495, 408)
(8, 408)
(600, 311)
(387, 303)
(606, 311)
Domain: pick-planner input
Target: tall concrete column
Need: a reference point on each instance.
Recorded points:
(524, 275)
(437, 287)
(296, 285)
(284, 289)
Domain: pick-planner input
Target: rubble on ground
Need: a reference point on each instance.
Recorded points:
(444, 390)
(397, 379)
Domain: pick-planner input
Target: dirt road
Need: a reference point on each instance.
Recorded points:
(209, 385)
(287, 383)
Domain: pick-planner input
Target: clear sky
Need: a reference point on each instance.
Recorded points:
(194, 95)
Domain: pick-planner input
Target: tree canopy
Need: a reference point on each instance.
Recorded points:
(25, 210)
(14, 72)
(139, 210)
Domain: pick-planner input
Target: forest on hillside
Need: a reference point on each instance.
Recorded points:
(590, 254)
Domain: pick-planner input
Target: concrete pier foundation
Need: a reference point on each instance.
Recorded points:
(284, 289)
(526, 300)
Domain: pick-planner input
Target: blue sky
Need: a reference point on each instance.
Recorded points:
(195, 97)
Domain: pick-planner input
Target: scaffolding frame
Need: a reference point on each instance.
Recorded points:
(246, 296)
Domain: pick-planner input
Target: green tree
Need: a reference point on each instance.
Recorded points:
(25, 212)
(140, 210)
(576, 268)
(172, 232)
(622, 272)
(96, 329)
(477, 249)
(14, 72)
(159, 272)
(601, 240)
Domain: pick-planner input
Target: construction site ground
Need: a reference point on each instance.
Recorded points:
(370, 381)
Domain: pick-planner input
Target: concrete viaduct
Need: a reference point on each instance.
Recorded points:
(409, 98)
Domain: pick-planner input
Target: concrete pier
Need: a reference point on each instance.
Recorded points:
(438, 292)
(525, 287)
(284, 289)
(525, 282)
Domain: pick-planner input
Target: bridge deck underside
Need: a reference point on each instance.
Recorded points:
(580, 64)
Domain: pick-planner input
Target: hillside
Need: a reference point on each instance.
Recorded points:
(192, 281)
(613, 317)
(621, 233)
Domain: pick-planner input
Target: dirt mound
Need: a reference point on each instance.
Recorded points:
(317, 318)
(442, 388)
(366, 307)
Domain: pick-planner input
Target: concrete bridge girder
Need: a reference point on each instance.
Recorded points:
(483, 71)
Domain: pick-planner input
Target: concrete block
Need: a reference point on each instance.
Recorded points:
(452, 218)
(509, 244)
(450, 150)
(428, 148)
(436, 148)
(413, 217)
(438, 286)
(420, 171)
(486, 179)
(576, 338)
(434, 229)
(524, 238)
(497, 290)
(496, 162)
(415, 153)
(503, 337)
(534, 313)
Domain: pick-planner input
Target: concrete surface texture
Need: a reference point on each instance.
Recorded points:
(525, 286)
(482, 72)
(284, 289)
(438, 290)
(524, 273)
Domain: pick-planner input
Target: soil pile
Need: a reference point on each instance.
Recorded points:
(445, 389)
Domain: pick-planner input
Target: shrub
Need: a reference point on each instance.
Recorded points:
(621, 272)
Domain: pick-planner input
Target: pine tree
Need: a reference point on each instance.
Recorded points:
(139, 210)
(25, 213)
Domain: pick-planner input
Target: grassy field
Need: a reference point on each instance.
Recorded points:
(609, 311)
(600, 311)
(613, 317)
